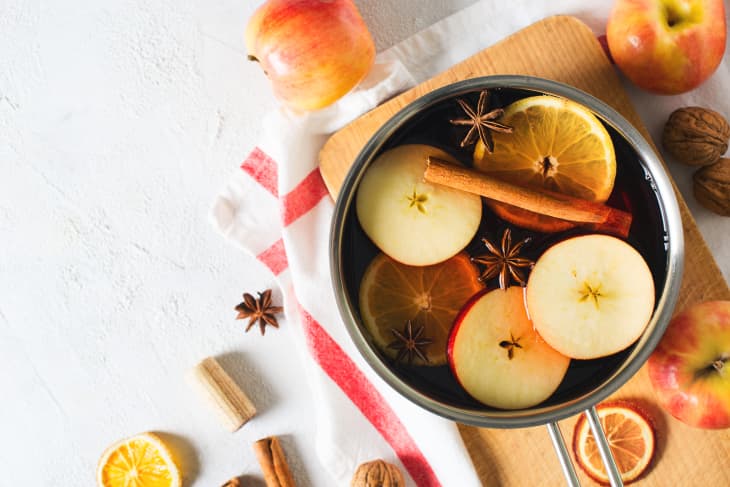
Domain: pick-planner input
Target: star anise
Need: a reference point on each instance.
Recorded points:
(481, 122)
(259, 310)
(409, 343)
(505, 261)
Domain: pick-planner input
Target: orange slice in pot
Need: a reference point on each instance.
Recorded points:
(630, 436)
(392, 293)
(555, 144)
(140, 461)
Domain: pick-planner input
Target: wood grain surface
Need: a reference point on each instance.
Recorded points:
(563, 49)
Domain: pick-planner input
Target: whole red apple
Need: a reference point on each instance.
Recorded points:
(667, 46)
(690, 368)
(313, 51)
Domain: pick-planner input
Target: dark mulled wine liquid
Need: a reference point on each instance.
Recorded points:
(633, 191)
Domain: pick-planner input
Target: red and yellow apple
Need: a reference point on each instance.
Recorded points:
(690, 368)
(313, 51)
(667, 46)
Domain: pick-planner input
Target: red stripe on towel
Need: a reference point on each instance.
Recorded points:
(328, 354)
(275, 257)
(304, 197)
(343, 371)
(262, 168)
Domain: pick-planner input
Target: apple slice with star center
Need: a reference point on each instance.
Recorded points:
(497, 356)
(415, 222)
(590, 296)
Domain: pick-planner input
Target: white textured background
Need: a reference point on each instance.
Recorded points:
(119, 122)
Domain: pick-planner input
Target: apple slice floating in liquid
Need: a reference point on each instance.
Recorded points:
(590, 296)
(415, 222)
(497, 356)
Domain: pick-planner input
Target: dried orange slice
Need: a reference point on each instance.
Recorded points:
(392, 293)
(630, 436)
(140, 461)
(555, 144)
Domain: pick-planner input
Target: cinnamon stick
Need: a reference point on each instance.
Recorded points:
(273, 462)
(595, 215)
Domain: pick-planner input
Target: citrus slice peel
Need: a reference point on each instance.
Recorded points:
(630, 435)
(557, 145)
(142, 460)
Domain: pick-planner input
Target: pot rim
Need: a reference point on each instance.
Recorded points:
(673, 240)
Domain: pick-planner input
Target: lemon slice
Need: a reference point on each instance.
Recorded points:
(555, 144)
(140, 461)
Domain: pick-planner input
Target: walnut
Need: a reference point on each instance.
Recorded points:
(377, 474)
(696, 136)
(712, 187)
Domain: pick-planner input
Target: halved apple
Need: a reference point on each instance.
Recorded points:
(497, 356)
(415, 222)
(590, 296)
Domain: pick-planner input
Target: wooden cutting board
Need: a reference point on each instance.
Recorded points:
(564, 49)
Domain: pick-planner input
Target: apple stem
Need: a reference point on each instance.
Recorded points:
(252, 58)
(718, 364)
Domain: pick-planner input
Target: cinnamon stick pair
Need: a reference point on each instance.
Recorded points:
(594, 215)
(273, 462)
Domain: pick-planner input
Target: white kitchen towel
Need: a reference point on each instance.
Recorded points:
(276, 207)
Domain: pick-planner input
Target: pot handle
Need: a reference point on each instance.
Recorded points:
(565, 463)
(614, 476)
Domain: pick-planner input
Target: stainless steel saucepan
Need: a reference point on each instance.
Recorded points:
(657, 219)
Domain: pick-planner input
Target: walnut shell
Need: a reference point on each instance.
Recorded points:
(712, 187)
(696, 136)
(377, 474)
